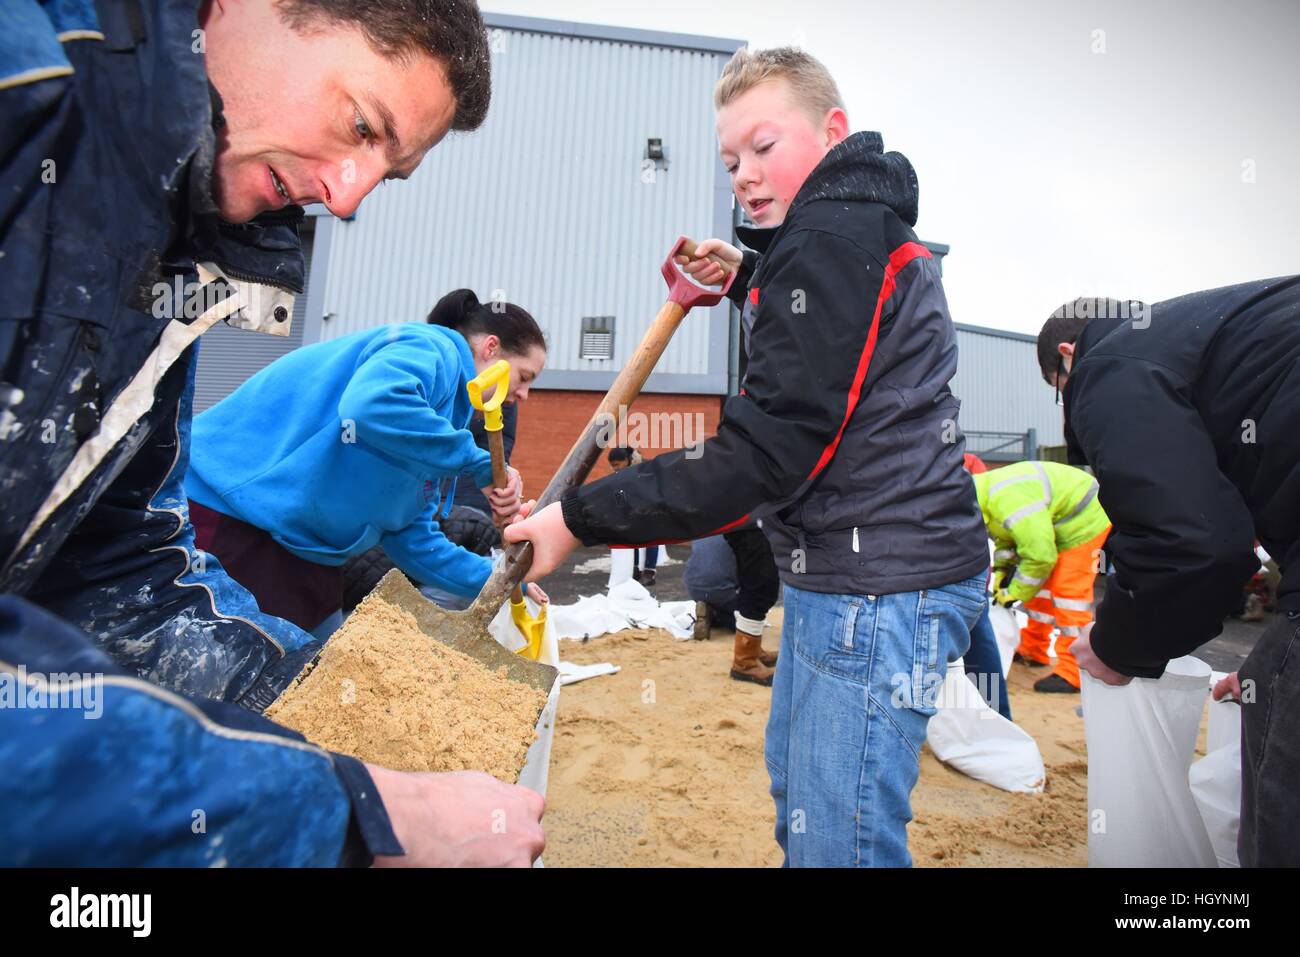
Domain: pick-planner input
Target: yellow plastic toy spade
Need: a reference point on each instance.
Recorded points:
(498, 375)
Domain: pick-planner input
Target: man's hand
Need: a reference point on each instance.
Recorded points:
(460, 819)
(704, 270)
(1089, 662)
(534, 591)
(1227, 687)
(1003, 598)
(551, 538)
(505, 501)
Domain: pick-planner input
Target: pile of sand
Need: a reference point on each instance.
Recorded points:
(388, 693)
(662, 764)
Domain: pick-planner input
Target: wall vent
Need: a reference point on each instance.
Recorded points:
(597, 341)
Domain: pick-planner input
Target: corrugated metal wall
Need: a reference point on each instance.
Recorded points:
(228, 356)
(547, 205)
(1001, 389)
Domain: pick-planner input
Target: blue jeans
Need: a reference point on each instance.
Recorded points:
(855, 686)
(984, 662)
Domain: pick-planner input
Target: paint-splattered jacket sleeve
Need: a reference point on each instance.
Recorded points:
(101, 768)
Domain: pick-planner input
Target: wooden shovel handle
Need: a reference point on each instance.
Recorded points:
(586, 450)
(497, 449)
(500, 479)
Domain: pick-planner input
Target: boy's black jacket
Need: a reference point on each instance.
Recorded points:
(1190, 417)
(844, 438)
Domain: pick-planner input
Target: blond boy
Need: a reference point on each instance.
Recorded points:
(844, 440)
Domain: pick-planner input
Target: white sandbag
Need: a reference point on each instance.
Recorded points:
(621, 563)
(1215, 780)
(971, 737)
(572, 674)
(627, 605)
(1141, 738)
(1215, 783)
(1006, 625)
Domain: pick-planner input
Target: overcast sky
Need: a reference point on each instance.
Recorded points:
(1168, 163)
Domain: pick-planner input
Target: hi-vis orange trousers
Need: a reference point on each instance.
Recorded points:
(1064, 602)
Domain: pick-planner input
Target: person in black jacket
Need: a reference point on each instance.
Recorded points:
(844, 440)
(1188, 412)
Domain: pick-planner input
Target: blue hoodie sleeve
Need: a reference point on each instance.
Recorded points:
(391, 400)
(103, 768)
(422, 551)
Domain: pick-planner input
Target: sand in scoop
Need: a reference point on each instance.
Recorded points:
(389, 694)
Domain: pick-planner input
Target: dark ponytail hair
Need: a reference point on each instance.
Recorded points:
(461, 310)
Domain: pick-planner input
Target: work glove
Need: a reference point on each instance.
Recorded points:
(1003, 598)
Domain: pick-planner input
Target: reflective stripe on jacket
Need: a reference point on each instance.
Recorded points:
(1038, 509)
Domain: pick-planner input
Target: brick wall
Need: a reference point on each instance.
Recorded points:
(551, 420)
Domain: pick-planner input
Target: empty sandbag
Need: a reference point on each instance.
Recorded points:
(1215, 780)
(1141, 738)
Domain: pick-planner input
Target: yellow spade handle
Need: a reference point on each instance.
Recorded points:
(497, 374)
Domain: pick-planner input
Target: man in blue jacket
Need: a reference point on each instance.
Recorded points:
(153, 158)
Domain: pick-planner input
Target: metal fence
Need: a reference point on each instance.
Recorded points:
(1003, 446)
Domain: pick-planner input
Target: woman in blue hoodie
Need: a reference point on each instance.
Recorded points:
(352, 443)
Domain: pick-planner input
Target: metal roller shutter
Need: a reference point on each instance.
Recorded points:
(229, 356)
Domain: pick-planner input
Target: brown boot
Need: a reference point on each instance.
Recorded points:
(768, 657)
(745, 665)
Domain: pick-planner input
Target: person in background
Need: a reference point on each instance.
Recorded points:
(351, 443)
(620, 458)
(734, 581)
(1048, 530)
(1186, 412)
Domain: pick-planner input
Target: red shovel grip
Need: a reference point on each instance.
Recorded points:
(685, 291)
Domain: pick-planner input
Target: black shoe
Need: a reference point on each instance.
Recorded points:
(648, 578)
(1018, 658)
(636, 575)
(1054, 684)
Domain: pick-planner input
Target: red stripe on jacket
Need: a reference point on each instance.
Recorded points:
(899, 258)
(682, 541)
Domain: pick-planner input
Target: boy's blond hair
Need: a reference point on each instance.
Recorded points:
(812, 84)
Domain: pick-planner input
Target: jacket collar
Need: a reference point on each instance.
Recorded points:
(859, 170)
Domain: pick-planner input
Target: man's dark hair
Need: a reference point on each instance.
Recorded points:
(451, 31)
(621, 453)
(1067, 322)
(513, 325)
